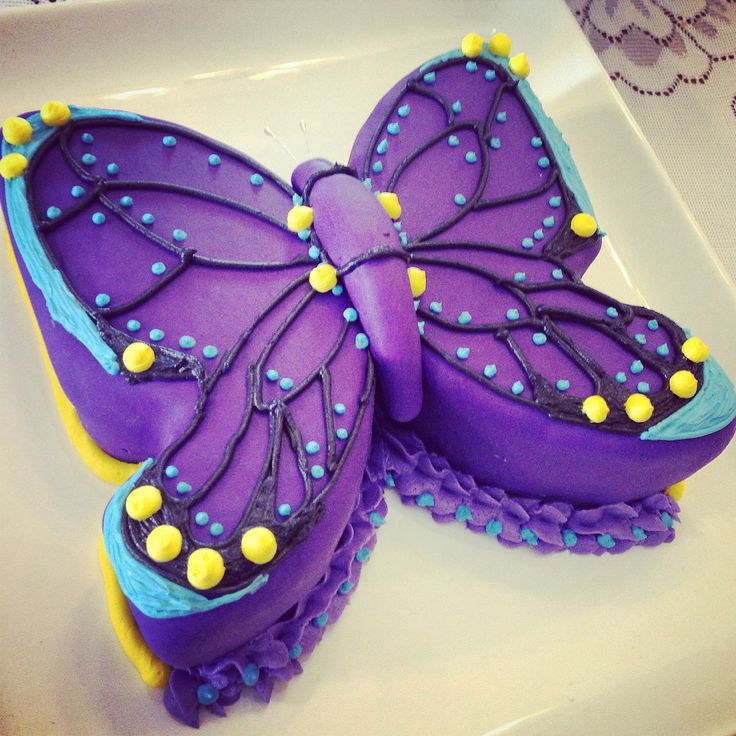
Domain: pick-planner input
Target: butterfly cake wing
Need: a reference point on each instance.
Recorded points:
(192, 340)
(571, 411)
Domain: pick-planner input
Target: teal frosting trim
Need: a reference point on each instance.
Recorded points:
(153, 595)
(555, 141)
(63, 306)
(711, 409)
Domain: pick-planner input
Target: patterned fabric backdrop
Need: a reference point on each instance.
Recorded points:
(674, 62)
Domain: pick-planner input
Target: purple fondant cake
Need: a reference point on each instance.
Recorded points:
(270, 353)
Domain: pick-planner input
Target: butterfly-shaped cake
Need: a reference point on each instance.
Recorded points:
(260, 358)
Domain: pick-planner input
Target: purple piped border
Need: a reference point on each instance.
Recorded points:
(427, 480)
(275, 655)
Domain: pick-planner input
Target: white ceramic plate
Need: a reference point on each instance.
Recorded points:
(449, 633)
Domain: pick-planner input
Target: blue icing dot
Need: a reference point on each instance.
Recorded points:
(102, 300)
(214, 160)
(463, 513)
(663, 350)
(397, 226)
(435, 307)
(642, 387)
(538, 234)
(490, 75)
(313, 252)
(562, 384)
(376, 519)
(620, 377)
(285, 509)
(317, 472)
(555, 201)
(98, 218)
(536, 142)
(420, 325)
(543, 162)
(548, 221)
(88, 159)
(209, 351)
(403, 238)
(251, 673)
(403, 111)
(286, 383)
(453, 141)
(527, 243)
(606, 540)
(272, 374)
(87, 138)
(638, 533)
(382, 147)
(339, 408)
(429, 78)
(495, 143)
(337, 289)
(183, 487)
(425, 500)
(463, 353)
(539, 338)
(393, 128)
(456, 106)
(297, 198)
(517, 388)
(320, 621)
(156, 335)
(133, 325)
(636, 366)
(304, 234)
(367, 183)
(171, 471)
(653, 324)
(312, 447)
(471, 157)
(147, 218)
(158, 268)
(377, 167)
(126, 201)
(216, 529)
(459, 199)
(612, 312)
(390, 482)
(201, 518)
(494, 527)
(350, 314)
(361, 341)
(78, 191)
(187, 341)
(362, 554)
(464, 317)
(53, 212)
(179, 235)
(666, 519)
(169, 141)
(557, 274)
(207, 694)
(296, 650)
(471, 66)
(490, 370)
(519, 276)
(640, 338)
(569, 538)
(256, 180)
(529, 536)
(501, 117)
(341, 433)
(512, 314)
(113, 169)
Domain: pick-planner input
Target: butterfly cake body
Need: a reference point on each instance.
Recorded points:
(231, 335)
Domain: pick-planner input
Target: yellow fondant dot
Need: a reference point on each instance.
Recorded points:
(638, 408)
(519, 65)
(12, 165)
(55, 113)
(418, 281)
(472, 45)
(138, 357)
(595, 408)
(683, 384)
(322, 278)
(17, 131)
(258, 545)
(164, 543)
(583, 225)
(500, 44)
(143, 502)
(676, 490)
(205, 568)
(390, 203)
(695, 349)
(300, 217)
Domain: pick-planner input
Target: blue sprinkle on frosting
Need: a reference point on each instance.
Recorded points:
(53, 212)
(464, 317)
(569, 538)
(403, 111)
(158, 268)
(296, 650)
(350, 314)
(548, 221)
(529, 536)
(636, 366)
(435, 307)
(555, 201)
(339, 408)
(102, 300)
(209, 351)
(536, 142)
(641, 338)
(495, 143)
(337, 289)
(638, 533)
(113, 169)
(666, 519)
(133, 325)
(663, 350)
(612, 312)
(539, 338)
(179, 235)
(312, 447)
(620, 377)
(512, 314)
(251, 673)
(471, 67)
(216, 529)
(187, 342)
(459, 199)
(88, 159)
(490, 370)
(126, 201)
(362, 554)
(376, 519)
(393, 128)
(562, 384)
(606, 541)
(305, 234)
(78, 191)
(98, 218)
(341, 433)
(457, 107)
(285, 509)
(517, 388)
(538, 234)
(543, 162)
(501, 116)
(463, 513)
(317, 472)
(256, 180)
(490, 75)
(471, 157)
(463, 353)
(272, 374)
(286, 383)
(453, 141)
(313, 252)
(88, 138)
(169, 141)
(519, 277)
(653, 324)
(382, 147)
(425, 500)
(183, 487)
(361, 341)
(527, 243)
(171, 471)
(201, 518)
(494, 527)
(147, 218)
(214, 160)
(207, 694)
(429, 78)
(557, 274)
(377, 167)
(642, 387)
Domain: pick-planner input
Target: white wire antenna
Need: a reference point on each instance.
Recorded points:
(303, 128)
(273, 135)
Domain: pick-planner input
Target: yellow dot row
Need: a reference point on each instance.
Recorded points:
(499, 45)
